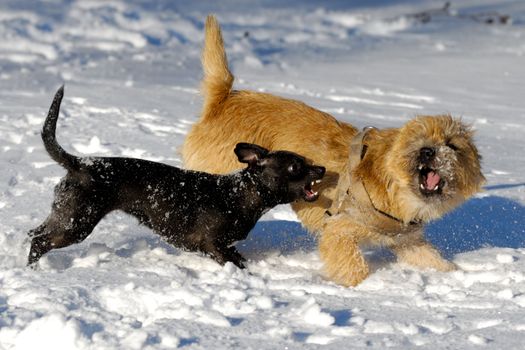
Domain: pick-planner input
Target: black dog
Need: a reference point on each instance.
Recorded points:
(192, 210)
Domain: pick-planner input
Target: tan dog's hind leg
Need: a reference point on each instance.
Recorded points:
(423, 255)
(344, 264)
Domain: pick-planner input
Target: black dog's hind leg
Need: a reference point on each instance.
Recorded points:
(54, 236)
(72, 219)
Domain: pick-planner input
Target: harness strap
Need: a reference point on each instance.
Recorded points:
(357, 152)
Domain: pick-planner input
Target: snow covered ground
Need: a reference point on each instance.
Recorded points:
(132, 71)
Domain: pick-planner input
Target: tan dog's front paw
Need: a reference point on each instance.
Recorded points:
(424, 256)
(343, 262)
(446, 266)
(345, 276)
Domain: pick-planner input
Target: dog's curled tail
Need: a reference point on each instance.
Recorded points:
(218, 80)
(55, 151)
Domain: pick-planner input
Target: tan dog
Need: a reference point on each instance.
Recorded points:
(390, 184)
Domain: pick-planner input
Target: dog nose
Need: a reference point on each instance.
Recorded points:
(426, 154)
(320, 170)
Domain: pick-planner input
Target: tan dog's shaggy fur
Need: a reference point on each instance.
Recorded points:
(388, 168)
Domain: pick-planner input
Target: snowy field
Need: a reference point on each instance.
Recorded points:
(132, 72)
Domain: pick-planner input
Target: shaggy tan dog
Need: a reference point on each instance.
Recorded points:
(381, 186)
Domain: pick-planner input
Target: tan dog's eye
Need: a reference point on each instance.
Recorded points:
(452, 146)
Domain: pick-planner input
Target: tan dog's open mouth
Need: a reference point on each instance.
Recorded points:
(430, 182)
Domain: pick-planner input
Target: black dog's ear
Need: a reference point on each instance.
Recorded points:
(250, 153)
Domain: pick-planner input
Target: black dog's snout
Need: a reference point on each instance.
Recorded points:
(426, 154)
(319, 171)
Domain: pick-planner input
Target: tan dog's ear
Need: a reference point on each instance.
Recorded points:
(250, 153)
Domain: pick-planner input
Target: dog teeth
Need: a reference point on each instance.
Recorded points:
(420, 167)
(317, 181)
(424, 188)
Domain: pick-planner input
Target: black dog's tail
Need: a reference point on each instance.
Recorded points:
(55, 151)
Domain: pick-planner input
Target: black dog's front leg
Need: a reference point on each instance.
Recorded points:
(224, 254)
(235, 257)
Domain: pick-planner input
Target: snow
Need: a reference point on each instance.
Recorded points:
(132, 73)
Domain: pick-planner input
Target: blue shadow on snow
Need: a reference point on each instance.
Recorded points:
(277, 236)
(480, 222)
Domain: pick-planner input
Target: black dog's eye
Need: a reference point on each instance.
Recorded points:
(294, 168)
(452, 146)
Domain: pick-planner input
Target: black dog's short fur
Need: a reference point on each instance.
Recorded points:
(193, 210)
